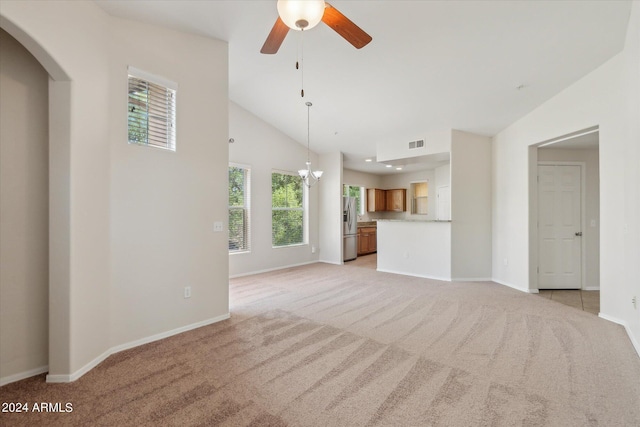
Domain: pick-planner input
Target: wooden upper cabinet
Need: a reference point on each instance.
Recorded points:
(397, 200)
(376, 200)
(386, 200)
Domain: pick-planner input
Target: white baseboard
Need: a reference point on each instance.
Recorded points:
(22, 375)
(592, 288)
(443, 279)
(471, 279)
(518, 288)
(634, 342)
(331, 262)
(267, 270)
(95, 362)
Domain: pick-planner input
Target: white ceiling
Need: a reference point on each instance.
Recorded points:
(475, 66)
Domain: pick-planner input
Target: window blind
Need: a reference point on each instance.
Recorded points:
(239, 209)
(151, 112)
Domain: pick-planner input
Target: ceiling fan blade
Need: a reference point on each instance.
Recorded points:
(345, 27)
(275, 37)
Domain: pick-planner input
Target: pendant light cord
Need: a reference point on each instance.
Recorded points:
(302, 63)
(308, 104)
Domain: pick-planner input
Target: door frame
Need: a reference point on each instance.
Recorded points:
(583, 219)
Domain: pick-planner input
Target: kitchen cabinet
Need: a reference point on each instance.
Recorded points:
(396, 200)
(367, 240)
(376, 200)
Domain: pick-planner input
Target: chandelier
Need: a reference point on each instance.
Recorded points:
(308, 176)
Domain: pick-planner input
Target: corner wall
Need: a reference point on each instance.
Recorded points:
(116, 272)
(470, 206)
(79, 275)
(263, 148)
(608, 97)
(330, 209)
(24, 221)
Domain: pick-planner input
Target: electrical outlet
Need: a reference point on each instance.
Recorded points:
(313, 249)
(634, 301)
(187, 292)
(218, 226)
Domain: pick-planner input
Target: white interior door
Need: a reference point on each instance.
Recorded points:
(444, 203)
(559, 227)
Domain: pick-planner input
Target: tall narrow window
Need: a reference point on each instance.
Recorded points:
(287, 210)
(239, 203)
(151, 110)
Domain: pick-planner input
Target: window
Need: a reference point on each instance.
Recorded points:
(151, 110)
(358, 193)
(239, 197)
(287, 210)
(419, 197)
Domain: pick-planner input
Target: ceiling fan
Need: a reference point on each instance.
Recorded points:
(302, 15)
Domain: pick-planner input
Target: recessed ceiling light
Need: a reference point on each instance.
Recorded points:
(368, 160)
(399, 168)
(388, 166)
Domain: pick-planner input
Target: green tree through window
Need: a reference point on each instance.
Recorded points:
(238, 209)
(287, 214)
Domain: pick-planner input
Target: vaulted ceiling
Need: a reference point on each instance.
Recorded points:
(476, 66)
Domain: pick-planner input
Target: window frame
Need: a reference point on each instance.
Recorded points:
(246, 207)
(169, 118)
(304, 209)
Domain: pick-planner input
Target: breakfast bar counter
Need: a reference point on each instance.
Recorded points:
(419, 248)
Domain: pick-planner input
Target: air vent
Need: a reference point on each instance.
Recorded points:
(416, 144)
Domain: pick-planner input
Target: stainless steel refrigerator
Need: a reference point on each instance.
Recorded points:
(349, 229)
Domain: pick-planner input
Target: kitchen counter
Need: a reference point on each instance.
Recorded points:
(413, 220)
(367, 224)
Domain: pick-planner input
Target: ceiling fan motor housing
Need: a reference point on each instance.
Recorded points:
(301, 14)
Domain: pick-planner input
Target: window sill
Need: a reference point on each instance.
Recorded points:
(248, 251)
(290, 246)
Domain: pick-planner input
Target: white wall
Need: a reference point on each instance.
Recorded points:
(608, 98)
(419, 249)
(263, 148)
(330, 208)
(590, 234)
(24, 207)
(434, 142)
(470, 206)
(164, 204)
(79, 206)
(116, 276)
(443, 179)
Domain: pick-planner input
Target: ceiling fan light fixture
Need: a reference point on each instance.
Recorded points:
(301, 14)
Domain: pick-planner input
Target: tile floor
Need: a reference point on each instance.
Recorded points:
(582, 300)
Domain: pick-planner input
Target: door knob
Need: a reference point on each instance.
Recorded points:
(579, 233)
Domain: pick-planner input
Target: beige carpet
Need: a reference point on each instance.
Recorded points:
(325, 345)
